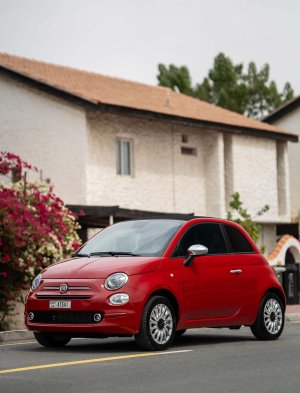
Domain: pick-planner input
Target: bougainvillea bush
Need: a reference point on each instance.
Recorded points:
(36, 229)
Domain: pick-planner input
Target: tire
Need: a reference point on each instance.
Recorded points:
(51, 341)
(158, 325)
(179, 333)
(269, 323)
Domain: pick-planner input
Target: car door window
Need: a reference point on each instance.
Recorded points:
(209, 235)
(239, 243)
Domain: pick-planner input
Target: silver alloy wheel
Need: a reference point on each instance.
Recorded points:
(273, 316)
(161, 324)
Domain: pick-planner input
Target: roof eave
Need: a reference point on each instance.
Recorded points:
(46, 86)
(203, 123)
(282, 110)
(58, 91)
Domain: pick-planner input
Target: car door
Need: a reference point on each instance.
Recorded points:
(210, 290)
(246, 265)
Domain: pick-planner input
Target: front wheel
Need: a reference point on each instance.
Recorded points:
(158, 325)
(270, 318)
(51, 341)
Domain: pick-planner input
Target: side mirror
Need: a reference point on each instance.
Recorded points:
(194, 250)
(197, 249)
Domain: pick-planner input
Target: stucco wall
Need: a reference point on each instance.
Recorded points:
(253, 164)
(291, 122)
(163, 178)
(48, 133)
(267, 238)
(166, 180)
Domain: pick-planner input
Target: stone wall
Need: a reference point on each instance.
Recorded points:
(47, 132)
(163, 178)
(291, 122)
(166, 180)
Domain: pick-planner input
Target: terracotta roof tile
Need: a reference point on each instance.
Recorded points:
(98, 88)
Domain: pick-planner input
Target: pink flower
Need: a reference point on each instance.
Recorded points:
(6, 258)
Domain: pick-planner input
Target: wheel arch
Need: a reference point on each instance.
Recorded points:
(170, 296)
(278, 292)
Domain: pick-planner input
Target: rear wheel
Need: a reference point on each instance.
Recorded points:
(270, 318)
(51, 341)
(158, 325)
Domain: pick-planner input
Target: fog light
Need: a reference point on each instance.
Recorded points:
(31, 316)
(119, 298)
(97, 317)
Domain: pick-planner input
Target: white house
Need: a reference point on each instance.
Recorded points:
(287, 250)
(288, 117)
(117, 148)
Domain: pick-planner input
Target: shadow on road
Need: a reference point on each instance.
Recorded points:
(124, 345)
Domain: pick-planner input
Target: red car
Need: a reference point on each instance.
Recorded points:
(155, 278)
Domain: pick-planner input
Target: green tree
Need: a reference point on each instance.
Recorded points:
(177, 78)
(230, 86)
(241, 216)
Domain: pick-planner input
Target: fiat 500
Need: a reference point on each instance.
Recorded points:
(153, 279)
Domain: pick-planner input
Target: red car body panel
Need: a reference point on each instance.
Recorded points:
(205, 294)
(95, 267)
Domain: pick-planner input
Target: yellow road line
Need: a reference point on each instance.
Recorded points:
(139, 355)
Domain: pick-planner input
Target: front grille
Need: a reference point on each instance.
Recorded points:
(64, 317)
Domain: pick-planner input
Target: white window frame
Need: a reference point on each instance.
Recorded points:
(121, 167)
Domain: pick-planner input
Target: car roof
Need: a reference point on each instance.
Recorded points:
(184, 218)
(179, 217)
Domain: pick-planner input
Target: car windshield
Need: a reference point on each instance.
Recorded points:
(140, 237)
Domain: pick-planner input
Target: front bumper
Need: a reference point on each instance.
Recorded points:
(94, 298)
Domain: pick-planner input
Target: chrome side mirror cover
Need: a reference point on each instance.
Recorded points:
(193, 251)
(197, 249)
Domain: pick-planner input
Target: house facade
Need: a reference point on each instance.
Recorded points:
(121, 149)
(288, 117)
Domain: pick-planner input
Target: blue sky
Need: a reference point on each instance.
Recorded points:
(128, 38)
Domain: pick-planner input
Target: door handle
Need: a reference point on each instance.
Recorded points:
(236, 271)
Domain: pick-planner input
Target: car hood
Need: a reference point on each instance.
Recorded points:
(101, 267)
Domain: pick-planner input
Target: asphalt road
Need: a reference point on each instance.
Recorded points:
(202, 361)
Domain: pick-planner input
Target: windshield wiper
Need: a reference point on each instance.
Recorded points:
(80, 255)
(113, 253)
(104, 253)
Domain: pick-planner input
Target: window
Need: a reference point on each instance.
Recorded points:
(184, 138)
(238, 241)
(124, 157)
(209, 235)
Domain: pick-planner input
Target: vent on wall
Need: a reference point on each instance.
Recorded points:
(184, 138)
(190, 151)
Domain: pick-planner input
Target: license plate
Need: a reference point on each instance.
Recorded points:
(60, 304)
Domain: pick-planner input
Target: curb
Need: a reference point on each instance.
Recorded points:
(19, 335)
(15, 335)
(292, 317)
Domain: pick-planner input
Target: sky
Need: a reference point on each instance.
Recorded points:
(129, 38)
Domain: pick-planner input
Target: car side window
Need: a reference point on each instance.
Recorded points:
(238, 241)
(208, 234)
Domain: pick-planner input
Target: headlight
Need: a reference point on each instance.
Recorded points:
(116, 281)
(36, 281)
(119, 298)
